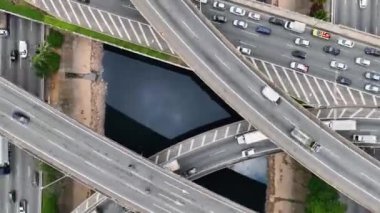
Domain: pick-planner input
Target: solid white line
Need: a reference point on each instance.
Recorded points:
(300, 85)
(63, 134)
(64, 10)
(215, 134)
(55, 9)
(179, 149)
(238, 128)
(342, 113)
(267, 71)
(352, 97)
(318, 113)
(134, 31)
(312, 90)
(279, 78)
(105, 21)
(291, 82)
(155, 38)
(374, 100)
(167, 155)
(144, 36)
(357, 112)
(362, 97)
(227, 130)
(370, 113)
(341, 95)
(114, 24)
(321, 91)
(96, 20)
(125, 30)
(330, 112)
(203, 139)
(331, 93)
(73, 12)
(83, 14)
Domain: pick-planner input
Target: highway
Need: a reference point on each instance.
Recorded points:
(21, 73)
(235, 82)
(96, 161)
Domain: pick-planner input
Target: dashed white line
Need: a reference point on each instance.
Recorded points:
(357, 112)
(96, 20)
(134, 31)
(222, 62)
(114, 24)
(321, 91)
(162, 208)
(267, 71)
(291, 82)
(144, 36)
(312, 90)
(124, 29)
(155, 37)
(55, 9)
(64, 10)
(84, 15)
(299, 83)
(189, 29)
(105, 21)
(352, 97)
(73, 12)
(279, 78)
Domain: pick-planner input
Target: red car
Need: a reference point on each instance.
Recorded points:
(321, 34)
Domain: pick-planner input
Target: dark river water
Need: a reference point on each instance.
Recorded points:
(152, 105)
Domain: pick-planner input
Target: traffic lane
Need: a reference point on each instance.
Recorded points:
(5, 204)
(31, 191)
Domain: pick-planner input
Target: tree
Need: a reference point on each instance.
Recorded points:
(55, 39)
(321, 14)
(320, 2)
(46, 61)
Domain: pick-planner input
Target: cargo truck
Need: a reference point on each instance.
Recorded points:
(4, 156)
(365, 138)
(295, 26)
(305, 140)
(341, 125)
(250, 137)
(3, 24)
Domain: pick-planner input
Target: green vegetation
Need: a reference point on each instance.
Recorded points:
(46, 61)
(55, 39)
(317, 10)
(51, 193)
(41, 16)
(323, 198)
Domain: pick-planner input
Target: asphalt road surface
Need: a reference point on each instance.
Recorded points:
(225, 73)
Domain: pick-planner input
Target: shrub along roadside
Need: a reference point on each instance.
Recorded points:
(55, 38)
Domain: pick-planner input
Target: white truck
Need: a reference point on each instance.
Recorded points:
(172, 165)
(271, 94)
(295, 26)
(364, 138)
(250, 137)
(341, 125)
(4, 156)
(305, 139)
(3, 24)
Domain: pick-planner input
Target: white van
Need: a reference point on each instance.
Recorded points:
(202, 1)
(363, 4)
(23, 49)
(270, 94)
(365, 138)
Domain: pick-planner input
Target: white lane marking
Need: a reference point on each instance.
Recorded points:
(63, 134)
(312, 90)
(168, 155)
(341, 95)
(55, 9)
(334, 155)
(248, 44)
(375, 181)
(179, 149)
(155, 38)
(370, 113)
(182, 198)
(156, 159)
(238, 128)
(318, 113)
(84, 15)
(114, 24)
(254, 63)
(374, 100)
(218, 152)
(222, 62)
(227, 130)
(356, 112)
(144, 36)
(249, 125)
(73, 12)
(321, 91)
(170, 48)
(352, 97)
(299, 83)
(330, 112)
(362, 97)
(172, 200)
(96, 20)
(176, 187)
(279, 78)
(45, 5)
(102, 155)
(331, 93)
(254, 34)
(291, 82)
(162, 208)
(134, 31)
(215, 134)
(64, 10)
(191, 144)
(203, 139)
(29, 171)
(105, 21)
(189, 29)
(267, 71)
(124, 29)
(342, 113)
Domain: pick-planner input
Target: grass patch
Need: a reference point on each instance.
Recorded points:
(41, 16)
(51, 193)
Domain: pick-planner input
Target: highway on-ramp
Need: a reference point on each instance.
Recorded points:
(232, 79)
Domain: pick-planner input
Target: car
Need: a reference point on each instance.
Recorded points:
(219, 5)
(22, 208)
(276, 21)
(244, 50)
(21, 117)
(363, 4)
(302, 42)
(191, 171)
(84, 1)
(299, 67)
(331, 50)
(237, 11)
(346, 42)
(299, 54)
(248, 152)
(321, 34)
(372, 88)
(263, 30)
(36, 179)
(338, 65)
(254, 16)
(372, 76)
(3, 32)
(23, 49)
(372, 51)
(14, 55)
(343, 80)
(362, 61)
(219, 18)
(240, 24)
(12, 196)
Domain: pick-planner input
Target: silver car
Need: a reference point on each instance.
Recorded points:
(372, 76)
(372, 88)
(237, 11)
(338, 65)
(240, 24)
(244, 50)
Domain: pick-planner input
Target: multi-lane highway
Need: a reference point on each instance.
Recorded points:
(233, 80)
(21, 73)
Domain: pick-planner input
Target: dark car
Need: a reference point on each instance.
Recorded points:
(299, 54)
(276, 21)
(263, 30)
(36, 179)
(191, 172)
(12, 196)
(14, 55)
(372, 51)
(22, 208)
(84, 1)
(331, 50)
(343, 80)
(219, 18)
(21, 117)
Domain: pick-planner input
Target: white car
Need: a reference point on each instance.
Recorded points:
(302, 42)
(362, 61)
(254, 16)
(244, 50)
(237, 11)
(346, 42)
(372, 76)
(338, 65)
(202, 1)
(372, 88)
(240, 24)
(3, 32)
(298, 66)
(23, 49)
(247, 153)
(219, 5)
(363, 4)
